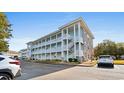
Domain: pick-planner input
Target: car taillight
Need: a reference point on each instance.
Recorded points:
(15, 62)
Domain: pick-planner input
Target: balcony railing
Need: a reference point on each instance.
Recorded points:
(67, 37)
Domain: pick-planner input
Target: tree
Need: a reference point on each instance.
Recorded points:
(120, 50)
(107, 47)
(5, 32)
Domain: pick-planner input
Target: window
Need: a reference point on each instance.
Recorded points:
(1, 58)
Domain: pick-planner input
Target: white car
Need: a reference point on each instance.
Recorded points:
(105, 60)
(9, 68)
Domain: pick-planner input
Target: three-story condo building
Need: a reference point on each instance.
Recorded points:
(72, 40)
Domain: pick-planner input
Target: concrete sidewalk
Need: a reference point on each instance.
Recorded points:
(85, 73)
(83, 64)
(88, 64)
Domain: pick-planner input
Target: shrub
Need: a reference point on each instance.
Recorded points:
(70, 59)
(47, 61)
(56, 60)
(73, 60)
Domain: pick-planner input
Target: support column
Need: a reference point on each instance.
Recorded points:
(56, 46)
(79, 32)
(41, 53)
(45, 49)
(62, 45)
(41, 56)
(50, 48)
(67, 44)
(74, 42)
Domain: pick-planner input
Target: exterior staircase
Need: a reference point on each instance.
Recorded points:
(71, 48)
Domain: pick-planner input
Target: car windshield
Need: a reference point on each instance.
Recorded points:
(11, 58)
(104, 57)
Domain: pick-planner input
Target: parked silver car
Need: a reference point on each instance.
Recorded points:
(9, 68)
(105, 60)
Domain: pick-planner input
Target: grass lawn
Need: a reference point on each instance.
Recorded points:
(119, 62)
(116, 62)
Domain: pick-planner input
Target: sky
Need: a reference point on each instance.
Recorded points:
(28, 26)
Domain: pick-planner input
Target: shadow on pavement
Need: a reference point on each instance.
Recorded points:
(32, 70)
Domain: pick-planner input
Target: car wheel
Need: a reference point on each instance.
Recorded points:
(98, 65)
(112, 66)
(4, 76)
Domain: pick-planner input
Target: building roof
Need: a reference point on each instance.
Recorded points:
(12, 52)
(70, 23)
(24, 49)
(80, 19)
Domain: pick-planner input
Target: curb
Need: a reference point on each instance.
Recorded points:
(81, 65)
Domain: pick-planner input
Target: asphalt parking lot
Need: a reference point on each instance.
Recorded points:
(38, 71)
(31, 70)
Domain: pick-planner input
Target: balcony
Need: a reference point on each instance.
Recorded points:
(48, 51)
(58, 49)
(59, 38)
(65, 47)
(43, 43)
(47, 42)
(53, 50)
(67, 37)
(43, 51)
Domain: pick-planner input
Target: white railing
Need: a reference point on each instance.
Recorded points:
(48, 51)
(43, 51)
(65, 47)
(59, 39)
(58, 49)
(67, 37)
(48, 42)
